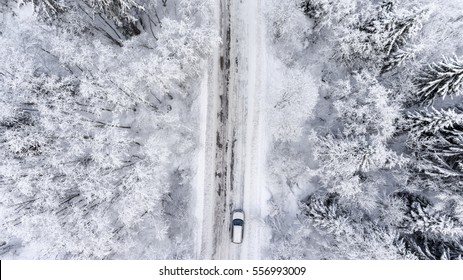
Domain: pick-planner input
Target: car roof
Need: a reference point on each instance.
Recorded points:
(238, 214)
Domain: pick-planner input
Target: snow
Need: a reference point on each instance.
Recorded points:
(25, 11)
(204, 180)
(198, 184)
(255, 192)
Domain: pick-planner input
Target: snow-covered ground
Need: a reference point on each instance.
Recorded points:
(205, 179)
(253, 68)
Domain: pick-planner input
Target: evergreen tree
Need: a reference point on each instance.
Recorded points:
(381, 32)
(397, 58)
(402, 29)
(422, 217)
(430, 233)
(436, 140)
(430, 121)
(440, 79)
(327, 13)
(351, 235)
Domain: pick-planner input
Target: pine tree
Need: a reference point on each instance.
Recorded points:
(328, 13)
(397, 58)
(434, 224)
(441, 157)
(426, 248)
(314, 8)
(325, 213)
(351, 235)
(436, 140)
(430, 121)
(440, 79)
(430, 233)
(381, 32)
(403, 29)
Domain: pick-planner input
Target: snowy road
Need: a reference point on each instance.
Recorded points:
(231, 173)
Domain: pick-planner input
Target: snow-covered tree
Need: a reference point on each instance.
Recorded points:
(397, 58)
(356, 147)
(430, 233)
(365, 107)
(380, 33)
(351, 168)
(435, 137)
(441, 156)
(327, 13)
(292, 101)
(289, 28)
(404, 28)
(440, 79)
(430, 121)
(351, 236)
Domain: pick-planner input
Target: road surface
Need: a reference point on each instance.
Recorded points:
(231, 173)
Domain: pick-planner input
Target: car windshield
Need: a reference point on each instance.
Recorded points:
(237, 222)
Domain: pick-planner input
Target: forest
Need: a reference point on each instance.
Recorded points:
(96, 126)
(375, 170)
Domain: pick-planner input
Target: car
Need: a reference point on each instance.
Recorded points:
(237, 226)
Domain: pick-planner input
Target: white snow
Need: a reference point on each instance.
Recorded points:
(255, 72)
(25, 11)
(204, 193)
